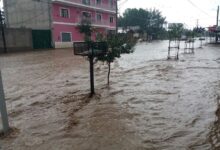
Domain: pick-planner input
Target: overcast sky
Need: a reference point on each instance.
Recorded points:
(1, 3)
(184, 11)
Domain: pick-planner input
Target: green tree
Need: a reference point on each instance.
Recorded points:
(150, 21)
(175, 31)
(188, 33)
(85, 28)
(118, 44)
(199, 31)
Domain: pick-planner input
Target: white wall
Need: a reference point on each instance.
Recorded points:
(63, 44)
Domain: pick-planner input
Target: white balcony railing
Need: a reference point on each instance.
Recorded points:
(89, 3)
(95, 22)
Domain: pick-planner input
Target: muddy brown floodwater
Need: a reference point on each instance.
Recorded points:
(151, 104)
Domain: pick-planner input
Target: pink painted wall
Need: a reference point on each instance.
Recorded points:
(57, 17)
(76, 36)
(75, 15)
(58, 29)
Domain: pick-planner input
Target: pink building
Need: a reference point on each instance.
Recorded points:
(67, 14)
(54, 22)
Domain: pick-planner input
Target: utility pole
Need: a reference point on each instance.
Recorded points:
(116, 16)
(216, 38)
(5, 7)
(197, 23)
(91, 59)
(3, 31)
(3, 108)
(51, 22)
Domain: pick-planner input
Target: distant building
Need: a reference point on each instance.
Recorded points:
(61, 17)
(132, 29)
(214, 29)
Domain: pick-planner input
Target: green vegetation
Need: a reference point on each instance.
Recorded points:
(117, 44)
(85, 28)
(175, 31)
(199, 31)
(150, 22)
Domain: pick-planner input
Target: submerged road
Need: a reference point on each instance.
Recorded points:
(151, 103)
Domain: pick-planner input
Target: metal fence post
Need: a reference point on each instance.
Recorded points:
(91, 58)
(3, 109)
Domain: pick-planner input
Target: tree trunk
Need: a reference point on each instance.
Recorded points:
(168, 57)
(109, 71)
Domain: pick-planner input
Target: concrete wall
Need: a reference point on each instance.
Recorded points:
(17, 39)
(27, 13)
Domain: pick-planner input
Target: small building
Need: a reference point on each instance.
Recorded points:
(132, 29)
(215, 31)
(55, 21)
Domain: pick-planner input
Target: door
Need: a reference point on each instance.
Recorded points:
(41, 39)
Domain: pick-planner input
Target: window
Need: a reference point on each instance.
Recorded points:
(98, 2)
(64, 13)
(86, 15)
(98, 17)
(86, 2)
(66, 37)
(111, 19)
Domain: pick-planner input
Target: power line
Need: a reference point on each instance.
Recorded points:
(122, 3)
(194, 5)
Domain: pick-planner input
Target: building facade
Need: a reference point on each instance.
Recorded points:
(62, 17)
(68, 14)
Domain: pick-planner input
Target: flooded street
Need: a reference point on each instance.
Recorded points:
(151, 103)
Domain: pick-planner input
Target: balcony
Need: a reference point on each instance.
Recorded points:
(88, 4)
(97, 23)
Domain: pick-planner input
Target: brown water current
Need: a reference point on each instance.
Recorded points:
(151, 103)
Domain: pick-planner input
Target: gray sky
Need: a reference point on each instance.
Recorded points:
(1, 3)
(184, 11)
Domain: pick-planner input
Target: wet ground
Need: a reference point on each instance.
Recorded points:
(151, 103)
